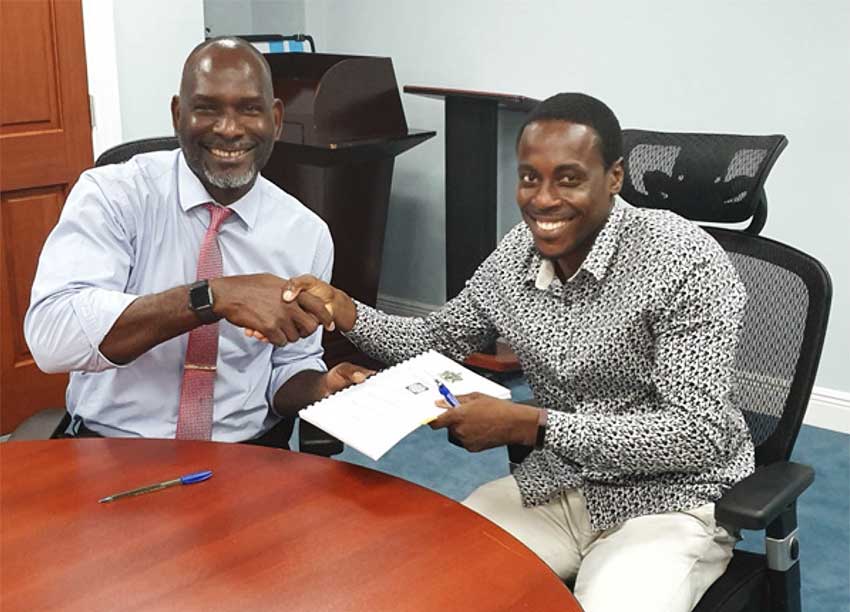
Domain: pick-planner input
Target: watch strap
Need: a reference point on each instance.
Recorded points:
(542, 423)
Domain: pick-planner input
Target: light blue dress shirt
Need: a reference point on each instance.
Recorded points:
(134, 229)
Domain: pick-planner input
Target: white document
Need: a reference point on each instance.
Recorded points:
(376, 414)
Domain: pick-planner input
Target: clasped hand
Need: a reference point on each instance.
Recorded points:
(255, 302)
(308, 296)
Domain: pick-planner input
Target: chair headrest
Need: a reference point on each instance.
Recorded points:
(703, 177)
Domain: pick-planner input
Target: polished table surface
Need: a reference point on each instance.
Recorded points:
(271, 529)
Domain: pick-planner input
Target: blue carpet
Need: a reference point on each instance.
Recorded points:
(823, 515)
(426, 458)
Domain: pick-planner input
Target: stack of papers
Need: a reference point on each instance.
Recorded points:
(375, 415)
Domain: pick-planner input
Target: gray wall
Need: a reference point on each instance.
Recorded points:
(720, 66)
(223, 17)
(254, 16)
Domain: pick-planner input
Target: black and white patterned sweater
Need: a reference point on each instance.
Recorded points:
(632, 357)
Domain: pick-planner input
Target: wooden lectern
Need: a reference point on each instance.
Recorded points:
(343, 126)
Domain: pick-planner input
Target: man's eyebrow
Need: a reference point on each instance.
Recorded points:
(560, 168)
(572, 166)
(199, 97)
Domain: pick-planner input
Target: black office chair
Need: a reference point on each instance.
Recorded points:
(53, 422)
(121, 153)
(717, 178)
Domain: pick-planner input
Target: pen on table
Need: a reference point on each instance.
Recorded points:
(451, 400)
(187, 479)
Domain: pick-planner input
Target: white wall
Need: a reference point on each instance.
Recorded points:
(715, 66)
(134, 56)
(102, 71)
(152, 40)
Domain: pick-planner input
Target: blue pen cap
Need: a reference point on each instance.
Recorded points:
(196, 477)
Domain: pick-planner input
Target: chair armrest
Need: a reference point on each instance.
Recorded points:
(315, 441)
(761, 497)
(42, 425)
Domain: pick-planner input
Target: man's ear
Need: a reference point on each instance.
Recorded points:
(277, 111)
(615, 177)
(175, 112)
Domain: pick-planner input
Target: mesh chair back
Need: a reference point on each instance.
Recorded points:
(703, 177)
(788, 297)
(719, 178)
(121, 153)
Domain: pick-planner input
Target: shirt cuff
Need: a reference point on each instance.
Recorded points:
(361, 323)
(97, 310)
(566, 433)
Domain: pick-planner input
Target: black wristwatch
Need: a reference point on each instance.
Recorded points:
(201, 301)
(542, 422)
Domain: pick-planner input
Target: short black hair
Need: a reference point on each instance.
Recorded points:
(584, 110)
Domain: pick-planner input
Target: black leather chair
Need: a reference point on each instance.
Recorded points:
(53, 422)
(719, 179)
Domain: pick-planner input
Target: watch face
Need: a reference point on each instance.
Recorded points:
(200, 297)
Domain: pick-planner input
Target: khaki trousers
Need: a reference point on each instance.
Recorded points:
(657, 563)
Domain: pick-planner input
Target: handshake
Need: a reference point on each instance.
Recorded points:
(280, 311)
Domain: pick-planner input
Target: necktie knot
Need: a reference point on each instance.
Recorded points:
(217, 215)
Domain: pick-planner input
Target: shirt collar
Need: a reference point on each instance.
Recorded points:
(193, 194)
(542, 271)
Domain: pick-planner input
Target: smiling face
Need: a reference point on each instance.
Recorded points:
(564, 191)
(226, 118)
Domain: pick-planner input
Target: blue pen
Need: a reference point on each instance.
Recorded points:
(187, 479)
(444, 391)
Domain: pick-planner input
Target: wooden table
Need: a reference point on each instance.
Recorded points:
(270, 530)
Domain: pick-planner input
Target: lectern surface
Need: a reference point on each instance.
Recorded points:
(507, 101)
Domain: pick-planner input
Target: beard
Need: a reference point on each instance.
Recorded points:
(230, 180)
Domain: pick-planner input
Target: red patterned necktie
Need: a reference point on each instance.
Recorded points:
(196, 395)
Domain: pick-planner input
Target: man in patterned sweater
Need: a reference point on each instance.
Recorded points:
(625, 322)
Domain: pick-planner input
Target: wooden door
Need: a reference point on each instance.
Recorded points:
(45, 142)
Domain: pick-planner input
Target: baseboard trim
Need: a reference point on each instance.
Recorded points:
(828, 408)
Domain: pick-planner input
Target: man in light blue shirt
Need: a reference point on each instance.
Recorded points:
(110, 301)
